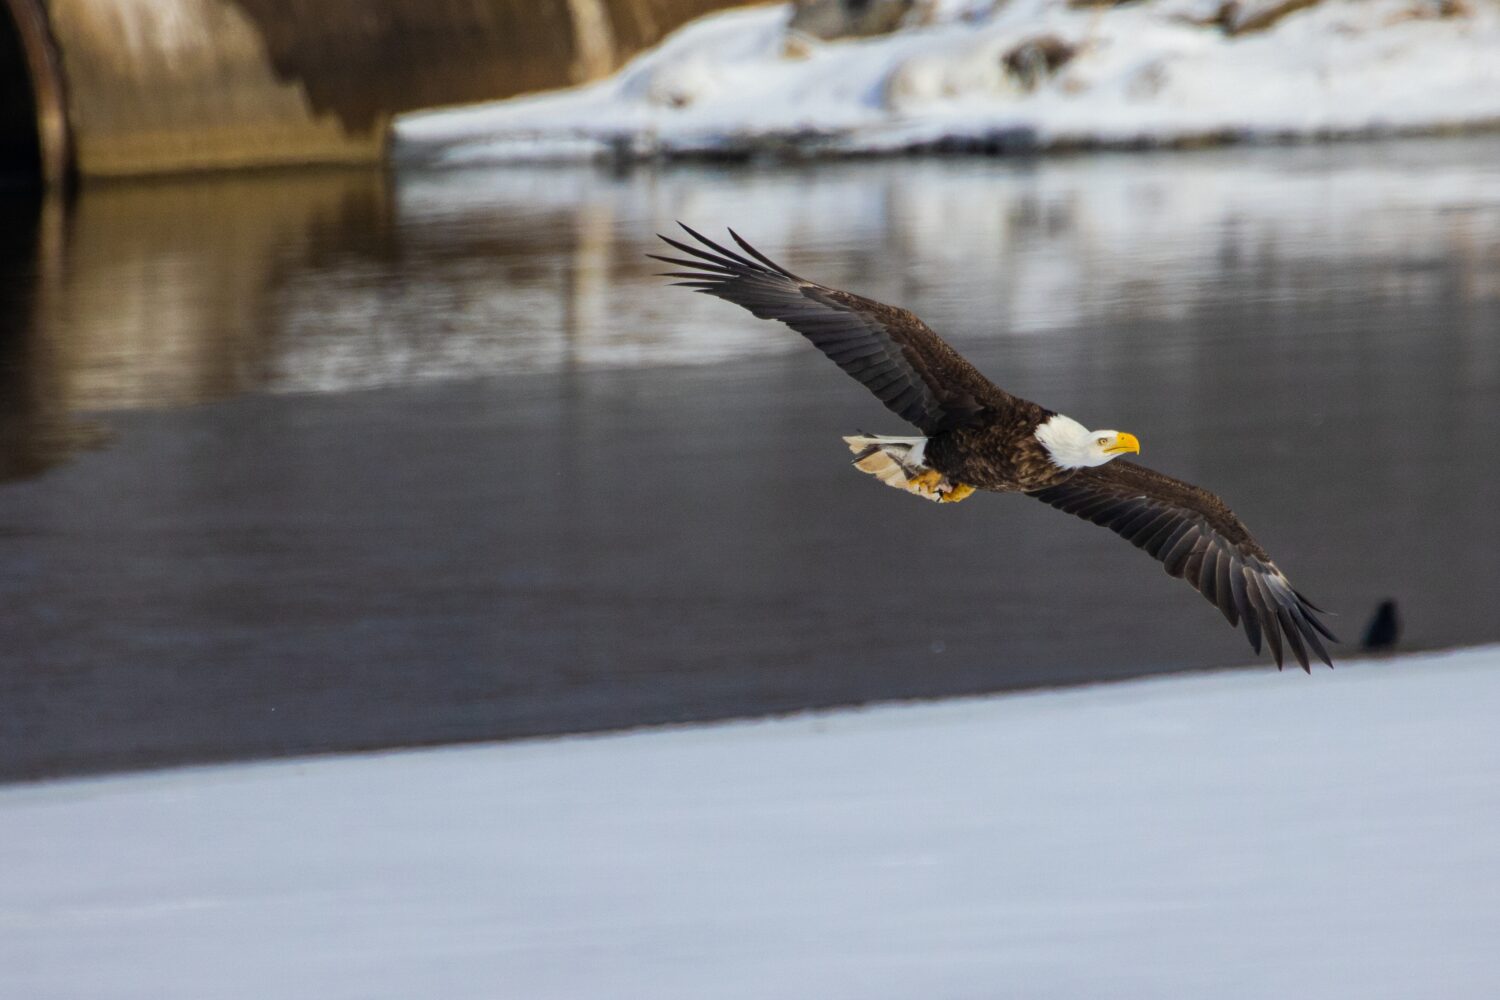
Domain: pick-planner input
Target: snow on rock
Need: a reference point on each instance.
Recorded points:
(831, 19)
(1021, 73)
(1238, 835)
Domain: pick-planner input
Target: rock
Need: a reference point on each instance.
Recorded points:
(1433, 10)
(982, 70)
(678, 85)
(1238, 17)
(831, 19)
(1247, 17)
(1036, 59)
(1148, 81)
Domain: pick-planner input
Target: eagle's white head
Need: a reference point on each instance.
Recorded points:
(1073, 446)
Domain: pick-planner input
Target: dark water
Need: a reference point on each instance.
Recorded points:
(338, 461)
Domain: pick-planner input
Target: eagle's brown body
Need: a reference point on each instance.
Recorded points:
(977, 435)
(1002, 455)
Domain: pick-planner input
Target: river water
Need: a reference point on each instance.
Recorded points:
(330, 461)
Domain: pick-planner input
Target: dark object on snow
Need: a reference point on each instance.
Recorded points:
(1243, 17)
(1240, 18)
(1035, 59)
(1384, 629)
(830, 19)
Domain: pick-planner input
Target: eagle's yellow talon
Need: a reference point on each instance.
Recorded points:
(926, 484)
(960, 491)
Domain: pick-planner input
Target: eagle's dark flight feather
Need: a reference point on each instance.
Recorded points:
(892, 352)
(1196, 537)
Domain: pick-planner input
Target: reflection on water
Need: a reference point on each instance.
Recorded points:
(344, 460)
(176, 293)
(169, 293)
(37, 429)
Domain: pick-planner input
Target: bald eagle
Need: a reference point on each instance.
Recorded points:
(977, 436)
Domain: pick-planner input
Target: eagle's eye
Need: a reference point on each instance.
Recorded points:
(1103, 440)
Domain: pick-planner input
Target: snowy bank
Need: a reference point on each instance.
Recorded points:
(1237, 835)
(1020, 74)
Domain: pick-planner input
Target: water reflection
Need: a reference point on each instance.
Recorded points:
(166, 293)
(37, 431)
(172, 293)
(437, 457)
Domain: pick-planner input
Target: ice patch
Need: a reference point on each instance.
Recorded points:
(1238, 835)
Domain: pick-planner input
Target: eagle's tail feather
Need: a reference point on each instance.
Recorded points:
(897, 461)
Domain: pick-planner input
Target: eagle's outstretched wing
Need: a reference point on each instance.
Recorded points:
(892, 352)
(1198, 538)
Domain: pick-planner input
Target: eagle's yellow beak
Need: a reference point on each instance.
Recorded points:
(1123, 442)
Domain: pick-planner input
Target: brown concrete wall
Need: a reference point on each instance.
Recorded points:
(171, 85)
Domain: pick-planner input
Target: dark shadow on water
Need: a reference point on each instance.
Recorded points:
(19, 219)
(432, 458)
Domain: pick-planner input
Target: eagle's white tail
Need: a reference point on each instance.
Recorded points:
(897, 461)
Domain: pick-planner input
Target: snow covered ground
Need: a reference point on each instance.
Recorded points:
(979, 72)
(1237, 835)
